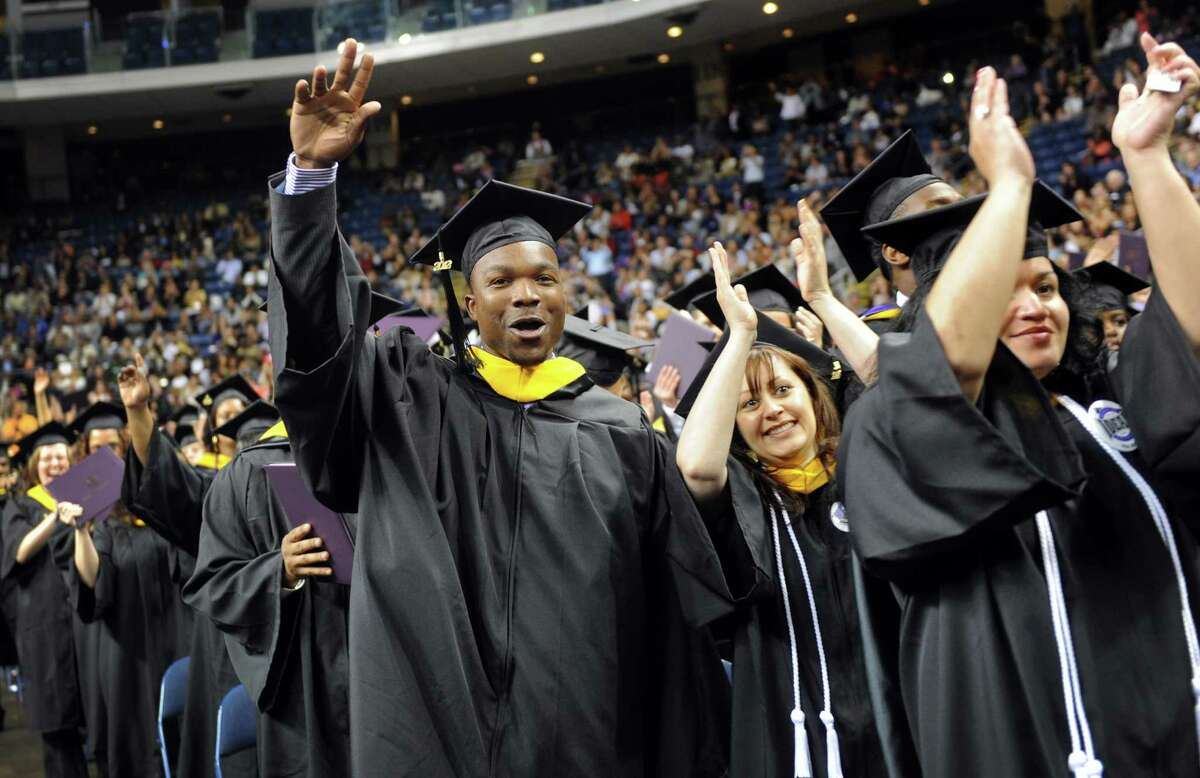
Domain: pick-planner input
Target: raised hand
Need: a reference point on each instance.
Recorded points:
(810, 327)
(328, 119)
(734, 301)
(666, 386)
(808, 252)
(997, 147)
(1145, 120)
(133, 383)
(41, 381)
(302, 556)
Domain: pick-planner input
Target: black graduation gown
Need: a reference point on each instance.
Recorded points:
(512, 597)
(168, 494)
(762, 740)
(45, 624)
(135, 608)
(941, 496)
(288, 648)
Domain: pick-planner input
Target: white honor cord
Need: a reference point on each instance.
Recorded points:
(1163, 525)
(1082, 760)
(802, 762)
(833, 754)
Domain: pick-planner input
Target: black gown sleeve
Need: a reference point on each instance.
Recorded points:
(166, 492)
(739, 530)
(240, 586)
(1158, 382)
(325, 358)
(925, 472)
(17, 520)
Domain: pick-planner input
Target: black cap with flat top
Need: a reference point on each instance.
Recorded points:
(768, 289)
(498, 215)
(873, 196)
(45, 435)
(684, 296)
(604, 352)
(257, 417)
(772, 333)
(184, 415)
(99, 416)
(938, 229)
(233, 387)
(1108, 274)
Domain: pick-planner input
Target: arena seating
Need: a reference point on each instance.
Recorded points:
(197, 38)
(47, 53)
(145, 42)
(284, 31)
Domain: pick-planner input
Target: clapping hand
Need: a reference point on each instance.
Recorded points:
(328, 119)
(1145, 120)
(997, 148)
(734, 301)
(666, 386)
(41, 381)
(808, 252)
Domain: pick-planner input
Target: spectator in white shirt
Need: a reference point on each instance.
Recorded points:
(538, 147)
(753, 171)
(625, 162)
(816, 174)
(229, 268)
(791, 106)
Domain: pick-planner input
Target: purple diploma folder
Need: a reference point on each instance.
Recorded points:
(680, 346)
(300, 507)
(94, 484)
(424, 327)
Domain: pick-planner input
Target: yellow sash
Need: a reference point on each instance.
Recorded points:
(210, 461)
(43, 498)
(276, 431)
(805, 479)
(884, 315)
(526, 384)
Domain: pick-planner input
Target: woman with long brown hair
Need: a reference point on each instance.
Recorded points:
(757, 451)
(44, 635)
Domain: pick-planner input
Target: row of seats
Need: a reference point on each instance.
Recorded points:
(52, 53)
(148, 40)
(365, 20)
(282, 32)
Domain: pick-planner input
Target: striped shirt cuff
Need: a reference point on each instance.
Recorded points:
(302, 180)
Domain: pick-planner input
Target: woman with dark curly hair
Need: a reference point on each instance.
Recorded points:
(1037, 544)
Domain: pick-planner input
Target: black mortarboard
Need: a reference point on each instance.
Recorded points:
(45, 435)
(1108, 274)
(683, 297)
(234, 386)
(771, 332)
(498, 215)
(935, 232)
(184, 434)
(381, 305)
(604, 352)
(253, 421)
(768, 289)
(99, 416)
(185, 416)
(873, 196)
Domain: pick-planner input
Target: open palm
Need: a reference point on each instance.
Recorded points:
(734, 301)
(328, 119)
(1145, 120)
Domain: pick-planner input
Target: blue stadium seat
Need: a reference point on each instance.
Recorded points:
(171, 699)
(235, 724)
(197, 38)
(47, 53)
(144, 43)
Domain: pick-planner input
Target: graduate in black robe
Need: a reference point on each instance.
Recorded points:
(288, 645)
(168, 494)
(525, 550)
(757, 452)
(1045, 615)
(45, 624)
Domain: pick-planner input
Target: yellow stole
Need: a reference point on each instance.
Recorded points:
(210, 461)
(43, 498)
(526, 384)
(805, 479)
(276, 431)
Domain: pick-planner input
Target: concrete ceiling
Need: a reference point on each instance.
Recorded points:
(491, 58)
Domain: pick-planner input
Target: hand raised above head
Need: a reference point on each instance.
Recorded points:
(1145, 120)
(734, 300)
(808, 252)
(328, 120)
(134, 384)
(997, 148)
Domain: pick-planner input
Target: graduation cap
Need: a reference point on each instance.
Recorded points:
(185, 435)
(233, 387)
(498, 215)
(873, 196)
(936, 231)
(45, 435)
(99, 416)
(604, 352)
(1108, 274)
(768, 289)
(381, 306)
(257, 417)
(772, 333)
(681, 298)
(184, 416)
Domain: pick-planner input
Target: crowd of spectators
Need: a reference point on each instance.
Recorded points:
(184, 286)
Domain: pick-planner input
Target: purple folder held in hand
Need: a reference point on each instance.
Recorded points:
(680, 346)
(300, 507)
(94, 484)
